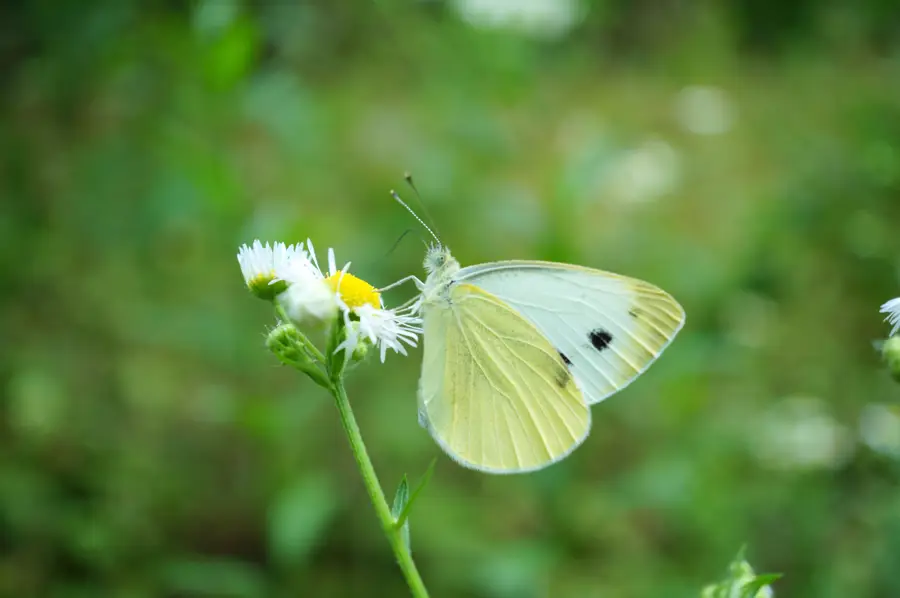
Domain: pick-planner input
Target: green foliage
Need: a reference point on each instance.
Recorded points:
(741, 582)
(398, 508)
(890, 352)
(404, 501)
(402, 515)
(150, 446)
(299, 516)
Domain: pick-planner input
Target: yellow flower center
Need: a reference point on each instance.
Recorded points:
(354, 291)
(260, 285)
(262, 279)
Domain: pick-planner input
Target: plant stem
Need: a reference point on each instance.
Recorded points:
(282, 315)
(376, 494)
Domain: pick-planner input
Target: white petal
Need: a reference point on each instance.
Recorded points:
(311, 300)
(387, 329)
(332, 265)
(256, 260)
(312, 255)
(892, 309)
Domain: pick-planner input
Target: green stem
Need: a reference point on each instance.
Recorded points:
(376, 494)
(282, 315)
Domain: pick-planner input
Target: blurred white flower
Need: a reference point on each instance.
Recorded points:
(704, 110)
(799, 434)
(645, 173)
(879, 428)
(892, 309)
(538, 18)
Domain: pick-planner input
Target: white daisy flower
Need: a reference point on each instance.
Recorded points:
(892, 309)
(263, 266)
(365, 318)
(384, 328)
(308, 296)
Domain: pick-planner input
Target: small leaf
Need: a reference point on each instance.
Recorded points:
(316, 375)
(751, 588)
(401, 497)
(401, 500)
(739, 563)
(404, 514)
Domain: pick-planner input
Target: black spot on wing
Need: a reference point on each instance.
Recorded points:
(563, 375)
(600, 338)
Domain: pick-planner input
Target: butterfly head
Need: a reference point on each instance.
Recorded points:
(439, 261)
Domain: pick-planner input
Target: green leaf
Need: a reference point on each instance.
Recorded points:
(751, 588)
(404, 514)
(739, 561)
(401, 500)
(316, 375)
(206, 577)
(401, 497)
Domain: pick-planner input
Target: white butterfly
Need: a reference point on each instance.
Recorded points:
(516, 352)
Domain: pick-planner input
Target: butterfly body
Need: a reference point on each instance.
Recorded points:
(516, 352)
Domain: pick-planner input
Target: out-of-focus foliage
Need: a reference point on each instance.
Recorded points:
(741, 582)
(743, 155)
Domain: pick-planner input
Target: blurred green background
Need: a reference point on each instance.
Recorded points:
(743, 155)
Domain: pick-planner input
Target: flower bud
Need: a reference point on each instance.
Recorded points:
(890, 351)
(286, 343)
(361, 350)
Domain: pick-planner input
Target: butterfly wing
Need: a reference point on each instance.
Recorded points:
(610, 328)
(494, 393)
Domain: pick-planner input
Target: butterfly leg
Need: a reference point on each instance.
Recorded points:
(412, 277)
(413, 305)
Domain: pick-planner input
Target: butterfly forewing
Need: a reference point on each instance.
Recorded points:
(609, 328)
(495, 393)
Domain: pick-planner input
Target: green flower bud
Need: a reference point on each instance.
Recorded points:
(291, 348)
(890, 351)
(288, 346)
(361, 350)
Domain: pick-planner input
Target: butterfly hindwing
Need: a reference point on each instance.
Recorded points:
(609, 328)
(495, 393)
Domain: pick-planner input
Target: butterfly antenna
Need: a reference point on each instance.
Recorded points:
(397, 242)
(410, 210)
(407, 176)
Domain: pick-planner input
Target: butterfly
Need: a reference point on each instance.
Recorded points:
(516, 352)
